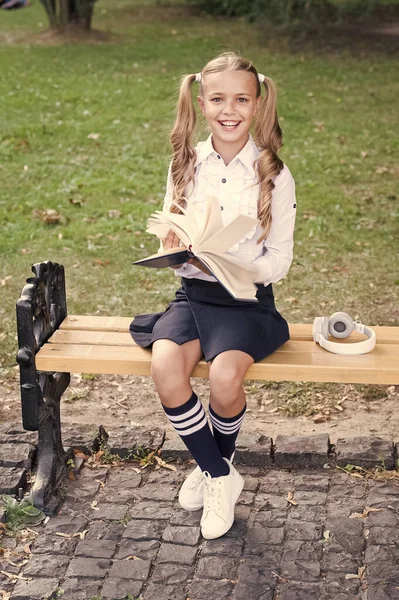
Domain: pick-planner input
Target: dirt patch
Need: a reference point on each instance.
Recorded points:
(274, 408)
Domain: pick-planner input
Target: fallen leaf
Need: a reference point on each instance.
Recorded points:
(94, 505)
(132, 557)
(290, 499)
(164, 464)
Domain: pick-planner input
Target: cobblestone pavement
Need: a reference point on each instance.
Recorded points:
(301, 535)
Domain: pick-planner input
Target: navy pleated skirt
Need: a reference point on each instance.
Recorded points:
(204, 310)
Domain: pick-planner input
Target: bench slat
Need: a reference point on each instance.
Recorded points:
(379, 366)
(111, 338)
(385, 335)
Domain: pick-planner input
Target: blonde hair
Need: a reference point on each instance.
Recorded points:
(267, 136)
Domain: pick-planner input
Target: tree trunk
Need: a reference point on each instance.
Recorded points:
(75, 13)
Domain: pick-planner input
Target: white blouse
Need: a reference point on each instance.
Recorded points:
(236, 187)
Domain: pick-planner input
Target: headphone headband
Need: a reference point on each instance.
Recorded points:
(340, 325)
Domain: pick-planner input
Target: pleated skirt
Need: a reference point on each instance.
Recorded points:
(204, 310)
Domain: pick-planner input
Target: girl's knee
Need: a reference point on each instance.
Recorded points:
(168, 376)
(225, 383)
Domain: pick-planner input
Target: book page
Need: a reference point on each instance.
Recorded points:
(235, 274)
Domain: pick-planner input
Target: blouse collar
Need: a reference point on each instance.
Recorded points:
(246, 156)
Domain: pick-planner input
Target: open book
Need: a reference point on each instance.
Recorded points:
(205, 238)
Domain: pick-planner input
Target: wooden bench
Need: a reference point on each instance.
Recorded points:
(53, 344)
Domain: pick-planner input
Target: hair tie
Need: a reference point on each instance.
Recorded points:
(198, 77)
(261, 78)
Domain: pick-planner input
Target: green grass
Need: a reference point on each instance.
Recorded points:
(338, 113)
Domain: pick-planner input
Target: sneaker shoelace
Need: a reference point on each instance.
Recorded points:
(213, 487)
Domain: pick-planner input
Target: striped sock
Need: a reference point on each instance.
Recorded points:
(190, 422)
(225, 431)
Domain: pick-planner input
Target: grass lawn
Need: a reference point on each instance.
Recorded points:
(84, 132)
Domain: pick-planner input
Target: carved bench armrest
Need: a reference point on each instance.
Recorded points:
(40, 311)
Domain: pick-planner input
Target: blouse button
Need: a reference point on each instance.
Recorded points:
(294, 205)
(223, 180)
(218, 155)
(221, 208)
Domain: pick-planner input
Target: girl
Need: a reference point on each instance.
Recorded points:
(248, 177)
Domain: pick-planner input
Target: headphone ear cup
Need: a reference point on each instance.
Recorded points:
(320, 328)
(340, 325)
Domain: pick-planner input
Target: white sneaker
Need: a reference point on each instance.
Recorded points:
(191, 495)
(220, 497)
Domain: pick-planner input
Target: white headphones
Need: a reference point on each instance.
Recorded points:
(340, 325)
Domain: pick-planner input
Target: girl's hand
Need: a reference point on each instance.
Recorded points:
(172, 241)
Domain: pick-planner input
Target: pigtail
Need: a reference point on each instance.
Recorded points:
(268, 138)
(182, 169)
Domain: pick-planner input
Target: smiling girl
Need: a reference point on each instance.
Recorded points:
(247, 176)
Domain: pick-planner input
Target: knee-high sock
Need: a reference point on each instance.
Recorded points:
(189, 420)
(225, 431)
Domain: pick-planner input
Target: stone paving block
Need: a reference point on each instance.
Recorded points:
(109, 512)
(311, 483)
(186, 517)
(310, 498)
(154, 491)
(172, 574)
(217, 567)
(158, 591)
(66, 524)
(255, 582)
(36, 589)
(384, 536)
(96, 548)
(383, 518)
(270, 501)
(270, 555)
(130, 569)
(301, 451)
(79, 589)
(123, 479)
(204, 589)
(382, 563)
(301, 530)
(302, 550)
(181, 555)
(254, 450)
(251, 484)
(137, 529)
(120, 589)
(43, 564)
(113, 495)
(383, 496)
(341, 562)
(268, 518)
(365, 452)
(150, 510)
(346, 535)
(82, 491)
(88, 567)
(104, 530)
(334, 581)
(293, 567)
(79, 436)
(16, 455)
(246, 498)
(128, 440)
(299, 591)
(223, 547)
(146, 550)
(304, 512)
(11, 480)
(383, 591)
(187, 536)
(267, 535)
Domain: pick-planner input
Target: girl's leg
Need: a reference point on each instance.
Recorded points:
(227, 400)
(171, 369)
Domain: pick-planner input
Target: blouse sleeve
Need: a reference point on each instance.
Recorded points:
(277, 256)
